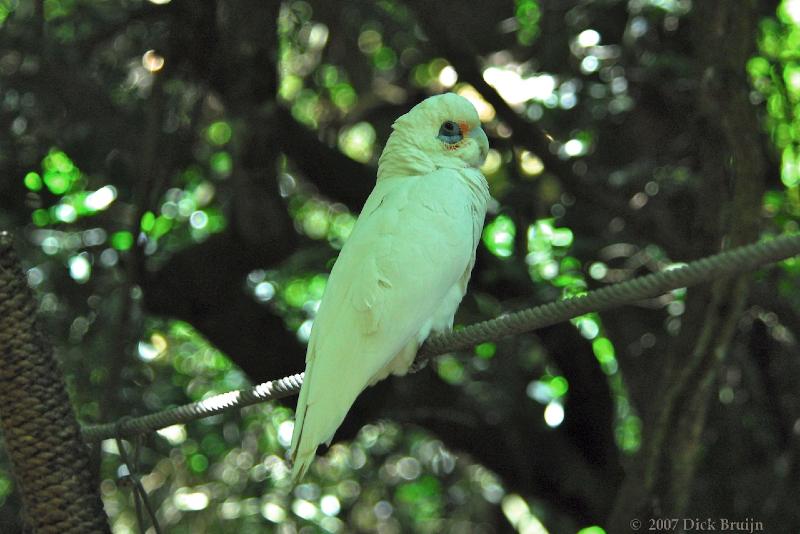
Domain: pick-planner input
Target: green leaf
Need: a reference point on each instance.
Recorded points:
(450, 370)
(219, 133)
(122, 240)
(33, 181)
(498, 236)
(221, 163)
(148, 221)
(485, 350)
(198, 463)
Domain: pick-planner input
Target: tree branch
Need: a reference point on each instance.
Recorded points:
(352, 181)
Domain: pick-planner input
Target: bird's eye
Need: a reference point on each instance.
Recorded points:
(450, 132)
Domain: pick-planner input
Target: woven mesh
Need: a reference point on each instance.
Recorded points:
(50, 461)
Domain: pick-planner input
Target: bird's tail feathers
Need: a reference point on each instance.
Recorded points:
(301, 464)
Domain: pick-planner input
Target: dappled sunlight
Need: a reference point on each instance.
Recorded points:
(516, 89)
(553, 414)
(530, 164)
(176, 175)
(152, 61)
(498, 236)
(358, 141)
(485, 110)
(520, 515)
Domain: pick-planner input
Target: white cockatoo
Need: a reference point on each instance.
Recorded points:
(404, 268)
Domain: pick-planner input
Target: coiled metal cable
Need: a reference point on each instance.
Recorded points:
(738, 260)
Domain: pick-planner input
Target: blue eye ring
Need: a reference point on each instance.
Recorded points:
(450, 132)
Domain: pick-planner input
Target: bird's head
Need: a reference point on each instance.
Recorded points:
(442, 131)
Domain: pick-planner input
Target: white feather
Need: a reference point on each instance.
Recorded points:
(401, 273)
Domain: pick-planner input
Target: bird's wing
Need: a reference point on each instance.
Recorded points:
(413, 241)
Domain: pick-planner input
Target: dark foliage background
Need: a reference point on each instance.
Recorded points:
(181, 175)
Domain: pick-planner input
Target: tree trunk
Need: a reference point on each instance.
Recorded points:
(731, 164)
(42, 437)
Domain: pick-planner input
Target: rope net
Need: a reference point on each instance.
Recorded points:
(730, 262)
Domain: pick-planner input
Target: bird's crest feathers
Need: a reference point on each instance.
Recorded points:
(415, 147)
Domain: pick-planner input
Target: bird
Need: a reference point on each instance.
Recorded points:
(402, 271)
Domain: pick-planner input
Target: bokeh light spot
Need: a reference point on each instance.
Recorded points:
(101, 199)
(588, 38)
(498, 236)
(122, 240)
(219, 133)
(357, 141)
(79, 268)
(285, 430)
(152, 61)
(190, 501)
(330, 505)
(554, 414)
(33, 181)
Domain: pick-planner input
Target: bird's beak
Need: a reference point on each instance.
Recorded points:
(483, 143)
